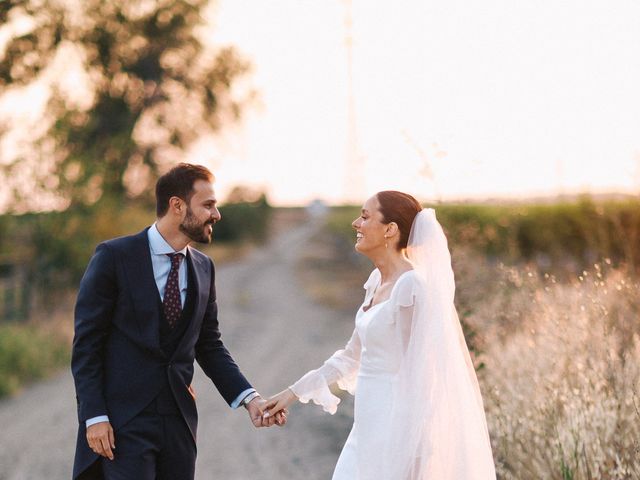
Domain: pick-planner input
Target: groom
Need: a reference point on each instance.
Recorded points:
(145, 309)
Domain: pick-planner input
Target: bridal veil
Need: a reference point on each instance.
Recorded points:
(439, 429)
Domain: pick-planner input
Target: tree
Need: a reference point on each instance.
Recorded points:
(152, 88)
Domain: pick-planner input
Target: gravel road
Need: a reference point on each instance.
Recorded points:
(273, 331)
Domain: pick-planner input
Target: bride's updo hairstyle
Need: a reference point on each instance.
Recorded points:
(400, 208)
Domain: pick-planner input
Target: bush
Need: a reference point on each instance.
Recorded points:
(244, 220)
(27, 354)
(53, 248)
(561, 237)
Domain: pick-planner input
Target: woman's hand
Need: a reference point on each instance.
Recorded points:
(279, 403)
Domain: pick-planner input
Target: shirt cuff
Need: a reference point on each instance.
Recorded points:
(94, 420)
(239, 398)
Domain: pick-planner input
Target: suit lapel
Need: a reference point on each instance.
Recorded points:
(202, 275)
(145, 295)
(144, 291)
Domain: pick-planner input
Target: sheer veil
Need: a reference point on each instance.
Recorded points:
(439, 427)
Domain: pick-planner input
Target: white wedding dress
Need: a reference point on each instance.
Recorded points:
(370, 361)
(418, 411)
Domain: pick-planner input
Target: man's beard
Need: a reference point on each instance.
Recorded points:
(194, 229)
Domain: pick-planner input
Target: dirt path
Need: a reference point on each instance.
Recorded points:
(273, 331)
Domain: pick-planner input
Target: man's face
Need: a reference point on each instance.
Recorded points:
(202, 213)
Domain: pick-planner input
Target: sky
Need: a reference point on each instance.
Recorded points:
(453, 99)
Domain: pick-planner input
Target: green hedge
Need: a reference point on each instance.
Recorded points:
(27, 354)
(55, 247)
(568, 234)
(243, 221)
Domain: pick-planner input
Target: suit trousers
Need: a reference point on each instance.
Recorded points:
(153, 446)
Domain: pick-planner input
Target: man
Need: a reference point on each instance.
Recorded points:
(145, 309)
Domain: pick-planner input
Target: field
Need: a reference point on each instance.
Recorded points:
(550, 304)
(43, 256)
(549, 298)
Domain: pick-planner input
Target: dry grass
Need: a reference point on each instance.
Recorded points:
(560, 360)
(562, 375)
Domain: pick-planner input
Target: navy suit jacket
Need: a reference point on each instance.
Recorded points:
(117, 363)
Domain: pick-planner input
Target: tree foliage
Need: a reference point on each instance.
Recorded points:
(153, 87)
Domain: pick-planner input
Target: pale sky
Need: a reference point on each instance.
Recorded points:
(503, 98)
(454, 99)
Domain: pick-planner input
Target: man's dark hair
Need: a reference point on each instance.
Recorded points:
(178, 182)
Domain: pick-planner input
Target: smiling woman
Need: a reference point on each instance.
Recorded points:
(419, 410)
(388, 214)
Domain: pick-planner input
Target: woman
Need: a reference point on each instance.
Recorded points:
(418, 410)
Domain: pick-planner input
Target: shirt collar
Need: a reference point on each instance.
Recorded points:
(159, 245)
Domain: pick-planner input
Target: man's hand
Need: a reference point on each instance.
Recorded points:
(101, 440)
(256, 409)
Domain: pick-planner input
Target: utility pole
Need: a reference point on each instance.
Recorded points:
(354, 189)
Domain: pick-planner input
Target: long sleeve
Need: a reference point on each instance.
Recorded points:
(94, 308)
(341, 368)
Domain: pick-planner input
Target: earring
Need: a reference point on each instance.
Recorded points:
(386, 244)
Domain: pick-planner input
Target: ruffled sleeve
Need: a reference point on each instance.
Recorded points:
(341, 368)
(404, 293)
(372, 281)
(370, 285)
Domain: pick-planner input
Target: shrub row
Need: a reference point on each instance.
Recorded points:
(570, 236)
(27, 354)
(51, 250)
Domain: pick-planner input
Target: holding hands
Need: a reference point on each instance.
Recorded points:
(261, 418)
(279, 403)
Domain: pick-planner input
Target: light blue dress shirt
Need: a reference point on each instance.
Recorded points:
(161, 264)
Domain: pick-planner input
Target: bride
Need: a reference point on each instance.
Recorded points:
(418, 411)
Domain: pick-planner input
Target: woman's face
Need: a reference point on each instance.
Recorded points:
(370, 231)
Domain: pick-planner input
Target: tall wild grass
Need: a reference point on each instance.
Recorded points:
(549, 298)
(561, 373)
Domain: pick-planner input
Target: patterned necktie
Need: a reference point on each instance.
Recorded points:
(171, 302)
